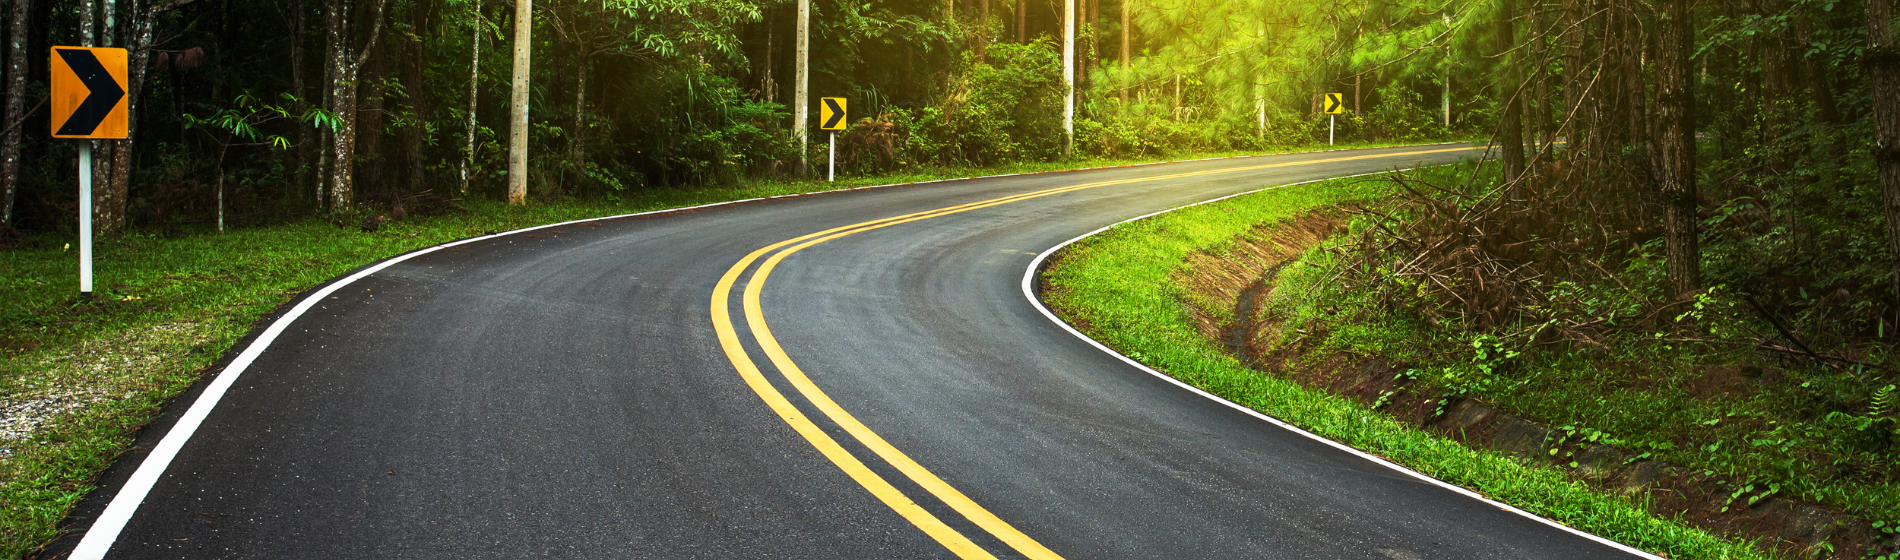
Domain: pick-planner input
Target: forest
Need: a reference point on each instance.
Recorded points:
(1716, 175)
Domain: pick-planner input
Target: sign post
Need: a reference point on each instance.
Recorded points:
(88, 103)
(831, 118)
(1335, 104)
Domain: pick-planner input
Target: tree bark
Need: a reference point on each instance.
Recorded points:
(1022, 21)
(518, 104)
(16, 109)
(346, 69)
(1676, 112)
(801, 85)
(1127, 30)
(577, 141)
(416, 89)
(1816, 73)
(983, 31)
(474, 96)
(1510, 124)
(1884, 60)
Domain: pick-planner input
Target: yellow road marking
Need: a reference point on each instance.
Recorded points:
(829, 447)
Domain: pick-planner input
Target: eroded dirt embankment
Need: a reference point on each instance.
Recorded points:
(1226, 288)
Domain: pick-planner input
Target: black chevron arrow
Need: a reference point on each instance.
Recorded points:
(104, 95)
(837, 114)
(1333, 102)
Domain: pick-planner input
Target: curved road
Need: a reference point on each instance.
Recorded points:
(846, 375)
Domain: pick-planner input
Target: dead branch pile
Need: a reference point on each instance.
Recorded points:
(1488, 259)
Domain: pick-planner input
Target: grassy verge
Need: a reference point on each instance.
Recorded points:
(1119, 284)
(78, 378)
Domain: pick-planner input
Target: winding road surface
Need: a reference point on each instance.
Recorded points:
(610, 389)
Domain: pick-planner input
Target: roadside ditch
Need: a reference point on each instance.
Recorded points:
(1227, 285)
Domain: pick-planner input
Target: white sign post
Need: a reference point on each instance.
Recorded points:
(85, 219)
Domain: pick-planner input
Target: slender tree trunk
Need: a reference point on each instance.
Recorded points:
(1676, 111)
(1068, 78)
(518, 105)
(983, 32)
(474, 96)
(1511, 123)
(306, 146)
(1127, 30)
(1816, 72)
(1884, 59)
(416, 90)
(577, 142)
(16, 109)
(801, 87)
(1022, 21)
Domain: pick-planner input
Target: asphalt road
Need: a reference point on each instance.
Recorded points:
(609, 389)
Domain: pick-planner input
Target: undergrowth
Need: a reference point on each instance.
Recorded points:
(1118, 285)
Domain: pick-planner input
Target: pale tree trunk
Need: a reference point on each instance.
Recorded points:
(474, 96)
(102, 149)
(16, 110)
(1884, 59)
(1127, 31)
(801, 113)
(1676, 111)
(1068, 78)
(343, 89)
(518, 105)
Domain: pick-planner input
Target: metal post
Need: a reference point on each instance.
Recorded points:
(831, 174)
(85, 219)
(1331, 125)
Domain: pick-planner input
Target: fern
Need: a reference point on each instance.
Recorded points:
(1886, 401)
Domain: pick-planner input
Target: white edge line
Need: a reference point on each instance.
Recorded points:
(105, 530)
(1029, 292)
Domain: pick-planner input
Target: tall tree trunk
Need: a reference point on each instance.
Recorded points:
(801, 86)
(1127, 30)
(1816, 73)
(306, 146)
(1022, 21)
(1510, 125)
(983, 32)
(371, 124)
(1884, 59)
(1676, 111)
(16, 109)
(577, 143)
(140, 36)
(343, 90)
(416, 90)
(474, 95)
(518, 104)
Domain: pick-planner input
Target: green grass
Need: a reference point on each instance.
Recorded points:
(166, 307)
(1119, 285)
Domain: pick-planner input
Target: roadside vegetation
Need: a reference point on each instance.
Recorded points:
(1122, 286)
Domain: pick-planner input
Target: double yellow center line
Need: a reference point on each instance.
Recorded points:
(850, 464)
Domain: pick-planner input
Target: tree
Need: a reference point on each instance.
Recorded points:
(1676, 111)
(1883, 58)
(345, 69)
(518, 104)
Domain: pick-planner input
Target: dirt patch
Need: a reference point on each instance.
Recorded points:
(1225, 285)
